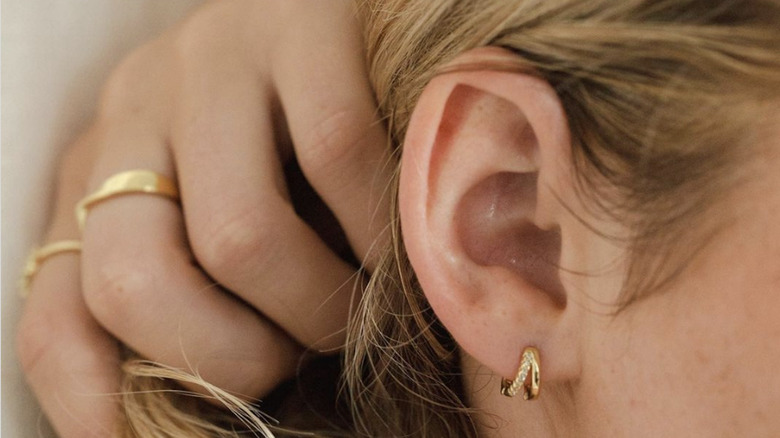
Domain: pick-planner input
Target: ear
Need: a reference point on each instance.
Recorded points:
(485, 156)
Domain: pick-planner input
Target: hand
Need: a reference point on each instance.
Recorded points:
(223, 101)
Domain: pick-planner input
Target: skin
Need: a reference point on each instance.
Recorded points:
(222, 102)
(694, 360)
(697, 358)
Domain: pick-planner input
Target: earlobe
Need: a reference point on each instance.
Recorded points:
(482, 159)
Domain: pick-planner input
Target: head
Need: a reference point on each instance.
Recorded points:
(596, 179)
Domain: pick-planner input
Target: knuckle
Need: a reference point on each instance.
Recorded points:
(205, 29)
(126, 78)
(140, 78)
(188, 41)
(331, 142)
(119, 290)
(229, 243)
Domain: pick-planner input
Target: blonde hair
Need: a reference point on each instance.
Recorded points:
(661, 97)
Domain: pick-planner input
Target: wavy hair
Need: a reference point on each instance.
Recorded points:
(663, 98)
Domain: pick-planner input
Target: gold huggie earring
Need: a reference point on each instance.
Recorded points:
(528, 376)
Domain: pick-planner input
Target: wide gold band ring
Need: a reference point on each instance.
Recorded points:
(40, 255)
(125, 183)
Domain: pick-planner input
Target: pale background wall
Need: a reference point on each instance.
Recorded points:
(55, 56)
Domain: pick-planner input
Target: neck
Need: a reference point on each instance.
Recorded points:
(552, 415)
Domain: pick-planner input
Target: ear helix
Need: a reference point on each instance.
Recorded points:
(528, 376)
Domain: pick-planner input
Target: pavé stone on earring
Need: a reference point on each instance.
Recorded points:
(528, 376)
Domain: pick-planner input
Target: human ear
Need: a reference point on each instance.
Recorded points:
(485, 155)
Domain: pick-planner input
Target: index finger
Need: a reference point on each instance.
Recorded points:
(331, 112)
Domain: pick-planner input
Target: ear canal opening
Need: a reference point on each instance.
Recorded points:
(495, 224)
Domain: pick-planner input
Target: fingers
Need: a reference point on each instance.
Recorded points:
(70, 362)
(332, 118)
(243, 230)
(141, 285)
(147, 293)
(139, 279)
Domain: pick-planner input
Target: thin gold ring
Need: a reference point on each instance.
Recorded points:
(38, 256)
(124, 183)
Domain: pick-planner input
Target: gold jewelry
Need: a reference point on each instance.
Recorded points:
(40, 255)
(528, 376)
(123, 183)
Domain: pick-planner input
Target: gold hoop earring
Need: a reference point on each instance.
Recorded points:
(528, 376)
